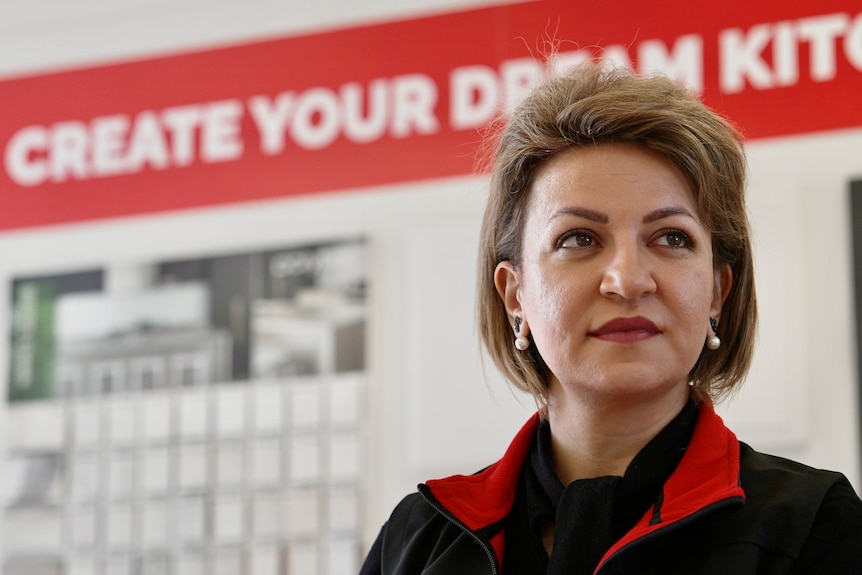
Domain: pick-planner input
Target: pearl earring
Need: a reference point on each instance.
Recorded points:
(521, 342)
(713, 342)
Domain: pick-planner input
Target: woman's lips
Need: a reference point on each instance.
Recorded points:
(626, 330)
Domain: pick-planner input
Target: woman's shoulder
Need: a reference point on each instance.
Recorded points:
(771, 480)
(415, 513)
(418, 535)
(413, 507)
(817, 511)
(776, 474)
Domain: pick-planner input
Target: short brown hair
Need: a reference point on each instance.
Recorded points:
(597, 105)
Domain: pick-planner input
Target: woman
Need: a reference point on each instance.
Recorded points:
(616, 286)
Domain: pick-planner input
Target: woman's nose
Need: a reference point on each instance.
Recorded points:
(627, 274)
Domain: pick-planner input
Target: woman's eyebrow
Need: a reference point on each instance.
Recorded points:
(667, 213)
(582, 213)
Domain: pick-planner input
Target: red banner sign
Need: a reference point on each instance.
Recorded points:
(393, 102)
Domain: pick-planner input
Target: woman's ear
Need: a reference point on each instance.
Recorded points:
(723, 281)
(507, 281)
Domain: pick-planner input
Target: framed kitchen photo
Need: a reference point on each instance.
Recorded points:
(175, 413)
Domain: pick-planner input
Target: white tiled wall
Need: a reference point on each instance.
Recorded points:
(236, 479)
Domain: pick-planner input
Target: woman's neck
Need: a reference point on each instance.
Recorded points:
(596, 437)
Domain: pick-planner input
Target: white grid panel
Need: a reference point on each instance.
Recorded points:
(259, 478)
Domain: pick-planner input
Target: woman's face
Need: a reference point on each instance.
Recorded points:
(616, 283)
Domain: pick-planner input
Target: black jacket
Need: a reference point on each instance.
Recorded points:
(725, 510)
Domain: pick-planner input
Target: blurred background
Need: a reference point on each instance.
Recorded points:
(238, 246)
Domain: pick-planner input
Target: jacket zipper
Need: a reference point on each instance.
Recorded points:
(457, 522)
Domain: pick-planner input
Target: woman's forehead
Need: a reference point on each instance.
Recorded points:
(598, 182)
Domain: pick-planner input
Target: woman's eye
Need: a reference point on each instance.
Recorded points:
(578, 240)
(675, 239)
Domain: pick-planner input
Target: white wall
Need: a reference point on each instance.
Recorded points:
(800, 203)
(435, 410)
(42, 35)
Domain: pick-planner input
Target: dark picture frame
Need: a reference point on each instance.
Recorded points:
(856, 227)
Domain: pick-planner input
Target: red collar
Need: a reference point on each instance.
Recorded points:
(485, 498)
(708, 473)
